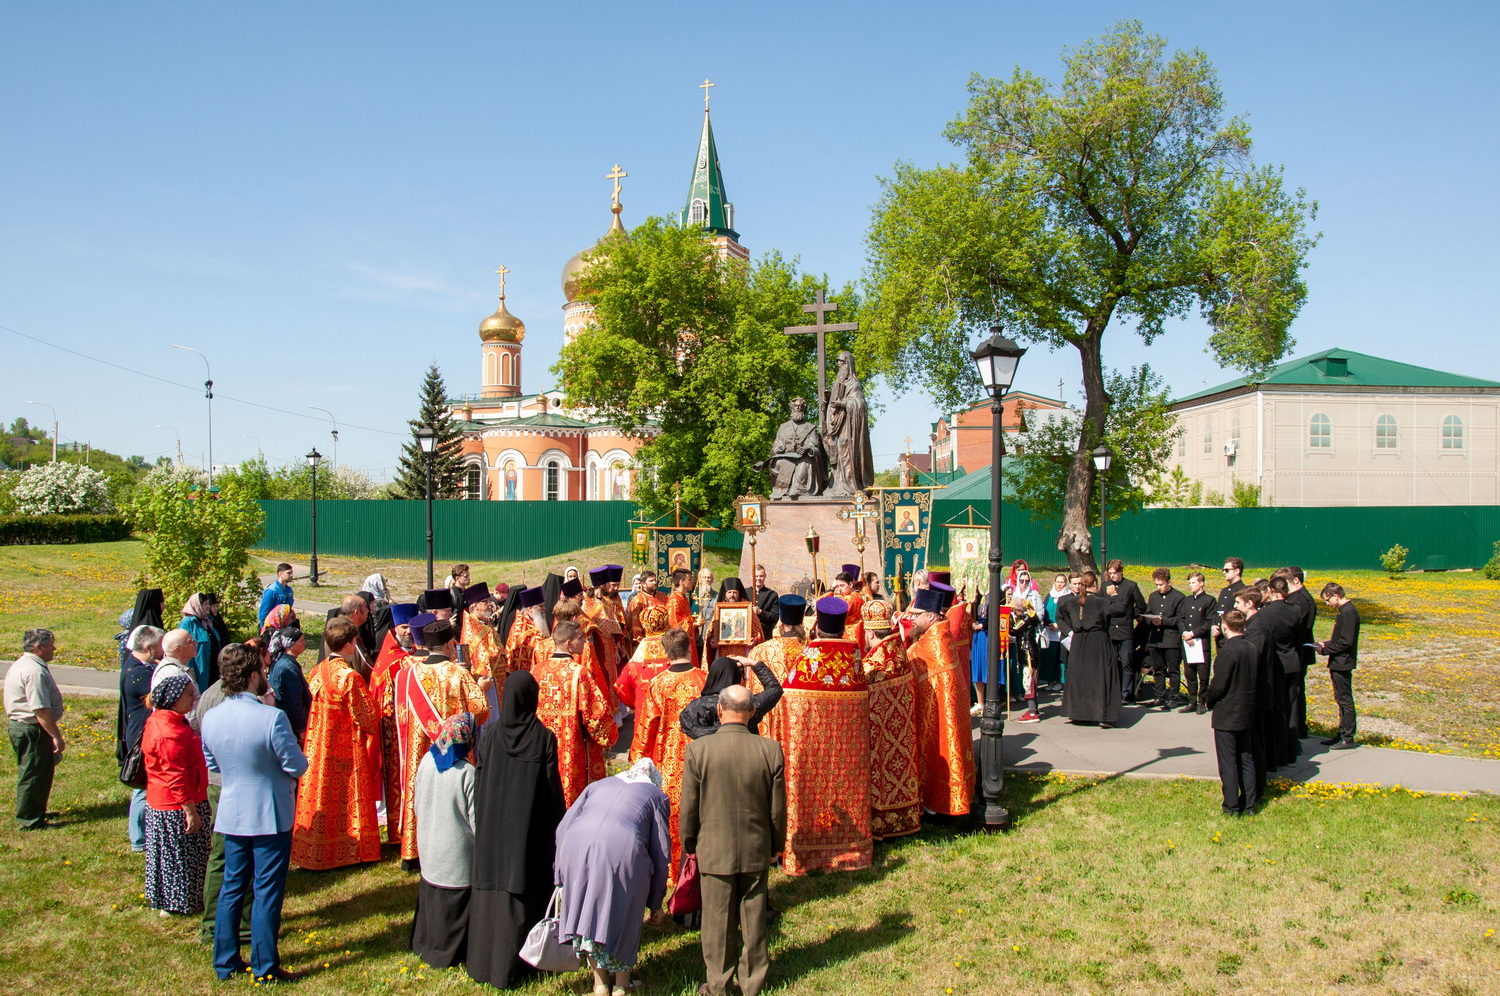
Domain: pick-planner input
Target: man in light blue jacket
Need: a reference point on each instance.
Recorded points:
(251, 745)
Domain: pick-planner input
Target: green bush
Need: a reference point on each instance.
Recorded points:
(1394, 559)
(1492, 569)
(26, 529)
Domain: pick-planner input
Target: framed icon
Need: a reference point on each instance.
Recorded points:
(750, 513)
(734, 623)
(679, 558)
(908, 520)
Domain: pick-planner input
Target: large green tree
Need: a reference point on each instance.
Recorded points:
(447, 464)
(1122, 195)
(687, 350)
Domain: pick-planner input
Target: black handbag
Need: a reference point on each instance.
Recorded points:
(133, 768)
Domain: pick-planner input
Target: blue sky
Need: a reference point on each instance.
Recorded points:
(315, 195)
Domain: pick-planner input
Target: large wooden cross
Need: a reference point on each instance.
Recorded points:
(820, 329)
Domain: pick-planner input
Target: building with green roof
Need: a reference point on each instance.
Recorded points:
(1341, 428)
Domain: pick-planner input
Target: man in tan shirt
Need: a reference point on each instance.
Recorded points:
(733, 817)
(34, 705)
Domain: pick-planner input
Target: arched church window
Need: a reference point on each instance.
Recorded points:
(698, 212)
(505, 369)
(554, 475)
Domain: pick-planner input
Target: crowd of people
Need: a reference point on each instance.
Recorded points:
(468, 729)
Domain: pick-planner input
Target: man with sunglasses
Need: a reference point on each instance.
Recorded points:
(1233, 568)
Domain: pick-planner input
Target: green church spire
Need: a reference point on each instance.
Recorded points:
(707, 206)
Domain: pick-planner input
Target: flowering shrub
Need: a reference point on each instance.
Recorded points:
(62, 489)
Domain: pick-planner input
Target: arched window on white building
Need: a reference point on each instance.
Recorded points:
(1385, 432)
(554, 480)
(1453, 433)
(1320, 432)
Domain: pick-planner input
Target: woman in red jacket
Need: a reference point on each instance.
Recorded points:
(178, 834)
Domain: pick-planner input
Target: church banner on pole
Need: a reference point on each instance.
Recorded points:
(677, 549)
(969, 557)
(905, 524)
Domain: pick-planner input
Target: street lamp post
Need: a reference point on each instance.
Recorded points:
(1103, 457)
(313, 456)
(996, 359)
(208, 392)
(43, 404)
(259, 452)
(427, 437)
(335, 433)
(179, 440)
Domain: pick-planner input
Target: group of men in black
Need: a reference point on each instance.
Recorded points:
(1244, 654)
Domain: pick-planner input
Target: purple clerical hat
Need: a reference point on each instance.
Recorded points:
(402, 613)
(940, 577)
(418, 624)
(616, 573)
(532, 597)
(599, 576)
(852, 570)
(572, 588)
(476, 593)
(832, 612)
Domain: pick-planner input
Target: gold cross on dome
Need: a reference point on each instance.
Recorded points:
(704, 87)
(617, 174)
(908, 442)
(502, 271)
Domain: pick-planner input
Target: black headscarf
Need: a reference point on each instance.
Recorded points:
(148, 606)
(722, 673)
(508, 611)
(521, 731)
(551, 592)
(518, 798)
(733, 584)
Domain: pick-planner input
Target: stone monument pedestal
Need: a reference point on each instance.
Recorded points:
(781, 546)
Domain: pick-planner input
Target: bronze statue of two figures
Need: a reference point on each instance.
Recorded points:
(831, 458)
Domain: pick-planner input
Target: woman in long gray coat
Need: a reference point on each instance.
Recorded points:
(612, 858)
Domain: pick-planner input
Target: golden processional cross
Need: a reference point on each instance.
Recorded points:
(859, 513)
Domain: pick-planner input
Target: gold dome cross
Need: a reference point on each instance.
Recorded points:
(704, 87)
(617, 174)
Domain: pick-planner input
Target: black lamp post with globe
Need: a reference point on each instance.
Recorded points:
(427, 437)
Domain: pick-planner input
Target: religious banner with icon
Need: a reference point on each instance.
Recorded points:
(640, 544)
(677, 550)
(905, 522)
(969, 556)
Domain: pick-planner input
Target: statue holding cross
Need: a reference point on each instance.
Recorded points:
(843, 419)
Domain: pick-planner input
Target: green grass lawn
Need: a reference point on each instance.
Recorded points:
(1128, 886)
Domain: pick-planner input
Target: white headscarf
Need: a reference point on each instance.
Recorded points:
(643, 770)
(375, 585)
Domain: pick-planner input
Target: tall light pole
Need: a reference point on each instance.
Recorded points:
(179, 440)
(259, 453)
(43, 404)
(427, 437)
(996, 359)
(1103, 457)
(313, 456)
(335, 422)
(208, 392)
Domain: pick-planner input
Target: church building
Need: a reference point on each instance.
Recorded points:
(531, 447)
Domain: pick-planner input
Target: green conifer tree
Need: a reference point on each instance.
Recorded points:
(447, 468)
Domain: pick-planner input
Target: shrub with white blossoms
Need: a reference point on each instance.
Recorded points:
(62, 489)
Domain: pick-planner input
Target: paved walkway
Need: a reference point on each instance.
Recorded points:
(1134, 748)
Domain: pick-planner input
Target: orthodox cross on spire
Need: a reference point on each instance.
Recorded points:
(502, 271)
(819, 328)
(704, 86)
(616, 174)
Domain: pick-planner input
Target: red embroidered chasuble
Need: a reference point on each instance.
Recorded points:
(520, 645)
(961, 631)
(383, 694)
(648, 661)
(639, 603)
(659, 736)
(335, 823)
(895, 789)
(426, 694)
(945, 737)
(573, 702)
(487, 658)
(615, 610)
(828, 766)
(778, 655)
(854, 620)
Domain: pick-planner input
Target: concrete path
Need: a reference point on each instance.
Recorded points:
(1151, 742)
(86, 681)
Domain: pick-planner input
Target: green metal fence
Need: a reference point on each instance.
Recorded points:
(1440, 537)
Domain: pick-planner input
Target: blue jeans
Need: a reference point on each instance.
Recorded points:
(136, 826)
(256, 866)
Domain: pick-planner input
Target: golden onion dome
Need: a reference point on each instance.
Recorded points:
(502, 326)
(572, 274)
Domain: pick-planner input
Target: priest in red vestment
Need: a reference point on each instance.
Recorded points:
(430, 690)
(680, 608)
(574, 703)
(335, 823)
(945, 736)
(846, 586)
(395, 654)
(827, 703)
(528, 626)
(640, 601)
(648, 661)
(487, 660)
(732, 592)
(895, 788)
(658, 730)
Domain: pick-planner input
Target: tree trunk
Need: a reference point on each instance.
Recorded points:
(1074, 539)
